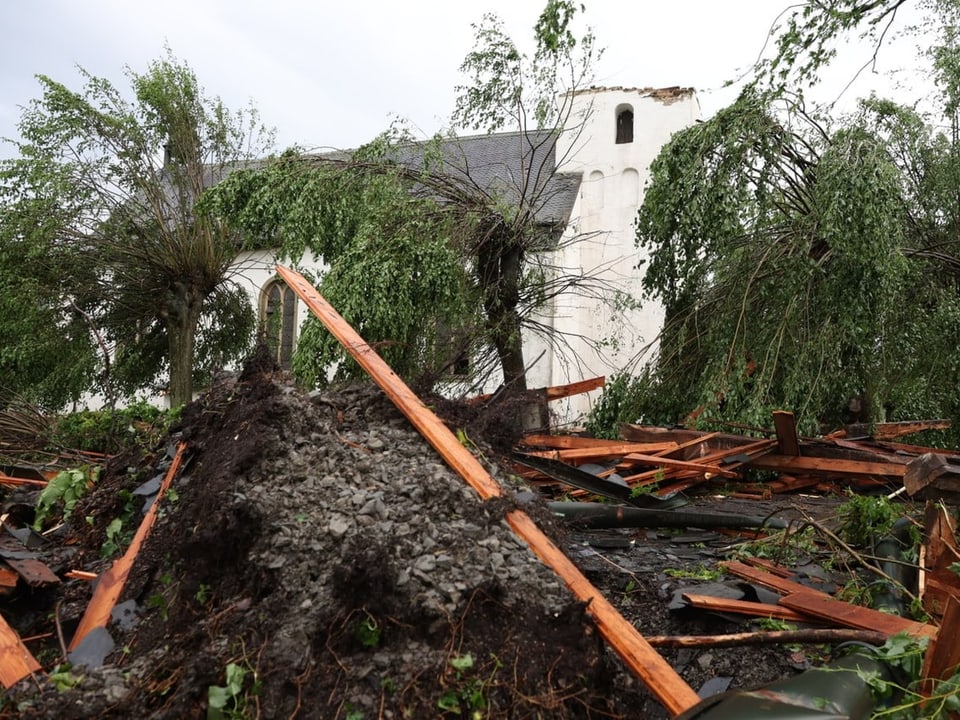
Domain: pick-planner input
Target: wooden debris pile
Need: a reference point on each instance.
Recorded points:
(664, 461)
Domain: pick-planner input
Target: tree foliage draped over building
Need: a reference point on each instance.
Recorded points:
(125, 287)
(806, 262)
(427, 259)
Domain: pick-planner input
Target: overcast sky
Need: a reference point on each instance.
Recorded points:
(333, 73)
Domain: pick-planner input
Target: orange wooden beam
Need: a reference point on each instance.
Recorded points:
(662, 680)
(112, 581)
(16, 661)
(558, 392)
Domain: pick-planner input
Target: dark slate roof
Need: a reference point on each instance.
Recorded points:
(509, 167)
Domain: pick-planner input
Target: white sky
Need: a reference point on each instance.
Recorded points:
(333, 73)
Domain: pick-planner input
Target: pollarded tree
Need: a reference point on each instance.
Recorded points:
(104, 190)
(428, 248)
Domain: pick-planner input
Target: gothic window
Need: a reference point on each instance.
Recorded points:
(278, 320)
(624, 124)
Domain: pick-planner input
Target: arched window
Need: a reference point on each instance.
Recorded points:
(278, 320)
(624, 124)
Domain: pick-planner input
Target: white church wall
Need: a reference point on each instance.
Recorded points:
(603, 222)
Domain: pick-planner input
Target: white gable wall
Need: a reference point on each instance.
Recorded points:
(614, 176)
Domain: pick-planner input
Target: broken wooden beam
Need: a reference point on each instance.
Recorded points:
(827, 466)
(788, 442)
(942, 657)
(609, 452)
(838, 612)
(558, 392)
(766, 579)
(16, 661)
(645, 662)
(744, 607)
(933, 471)
(111, 583)
(891, 430)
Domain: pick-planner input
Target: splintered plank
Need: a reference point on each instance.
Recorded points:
(558, 392)
(827, 466)
(788, 442)
(838, 612)
(112, 581)
(608, 452)
(644, 459)
(566, 442)
(744, 607)
(16, 661)
(769, 566)
(766, 579)
(646, 663)
(943, 654)
(11, 480)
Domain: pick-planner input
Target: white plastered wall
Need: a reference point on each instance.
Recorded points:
(600, 240)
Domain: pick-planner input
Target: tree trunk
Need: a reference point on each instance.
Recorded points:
(500, 266)
(182, 319)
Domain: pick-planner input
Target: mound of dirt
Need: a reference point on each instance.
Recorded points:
(317, 560)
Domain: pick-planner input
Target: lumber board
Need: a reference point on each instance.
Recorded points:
(34, 572)
(645, 459)
(690, 448)
(111, 583)
(744, 607)
(11, 480)
(942, 657)
(558, 392)
(766, 579)
(832, 466)
(651, 433)
(16, 661)
(890, 430)
(8, 577)
(938, 589)
(769, 565)
(565, 442)
(609, 452)
(838, 612)
(644, 661)
(931, 470)
(788, 442)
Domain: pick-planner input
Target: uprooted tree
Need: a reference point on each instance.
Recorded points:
(803, 263)
(431, 257)
(126, 286)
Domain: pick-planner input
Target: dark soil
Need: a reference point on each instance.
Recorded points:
(319, 551)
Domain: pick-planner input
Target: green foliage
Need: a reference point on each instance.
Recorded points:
(865, 519)
(620, 402)
(367, 631)
(393, 271)
(62, 493)
(800, 267)
(807, 35)
(108, 431)
(698, 573)
(506, 86)
(903, 700)
(96, 217)
(63, 678)
(468, 691)
(427, 262)
(228, 702)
